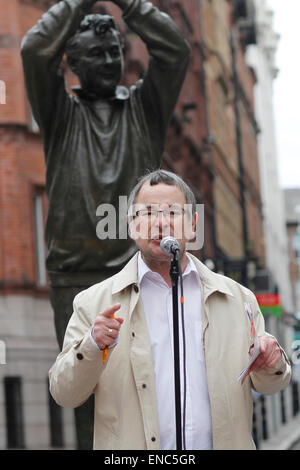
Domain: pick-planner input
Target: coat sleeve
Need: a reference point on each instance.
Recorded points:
(269, 380)
(169, 59)
(77, 369)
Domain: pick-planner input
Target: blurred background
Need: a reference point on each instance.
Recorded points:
(233, 138)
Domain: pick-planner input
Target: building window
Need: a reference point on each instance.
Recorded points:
(56, 422)
(40, 239)
(14, 412)
(296, 244)
(221, 114)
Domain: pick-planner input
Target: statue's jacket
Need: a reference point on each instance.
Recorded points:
(96, 150)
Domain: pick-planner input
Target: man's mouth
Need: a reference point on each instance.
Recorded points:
(156, 242)
(158, 238)
(108, 73)
(107, 76)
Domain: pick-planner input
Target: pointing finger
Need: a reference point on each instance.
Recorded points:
(109, 312)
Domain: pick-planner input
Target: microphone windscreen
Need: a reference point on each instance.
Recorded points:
(169, 245)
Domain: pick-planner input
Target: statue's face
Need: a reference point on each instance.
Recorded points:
(100, 63)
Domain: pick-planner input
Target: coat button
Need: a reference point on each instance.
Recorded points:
(144, 385)
(136, 288)
(153, 439)
(279, 372)
(79, 356)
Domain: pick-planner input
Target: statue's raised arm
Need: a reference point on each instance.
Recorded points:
(66, 28)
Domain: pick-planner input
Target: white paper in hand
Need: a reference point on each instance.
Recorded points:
(255, 354)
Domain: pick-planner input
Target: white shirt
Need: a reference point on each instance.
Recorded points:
(157, 302)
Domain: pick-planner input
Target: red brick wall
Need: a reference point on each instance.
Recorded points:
(21, 170)
(206, 167)
(11, 68)
(22, 165)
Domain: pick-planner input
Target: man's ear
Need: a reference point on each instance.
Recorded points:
(192, 227)
(131, 227)
(195, 221)
(134, 229)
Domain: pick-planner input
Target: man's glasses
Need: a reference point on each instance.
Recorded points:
(169, 213)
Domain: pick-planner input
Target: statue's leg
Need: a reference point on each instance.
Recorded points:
(62, 304)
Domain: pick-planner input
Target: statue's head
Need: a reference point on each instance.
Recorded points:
(95, 55)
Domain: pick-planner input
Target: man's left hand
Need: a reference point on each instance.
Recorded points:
(270, 354)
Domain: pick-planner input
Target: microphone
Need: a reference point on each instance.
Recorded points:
(169, 246)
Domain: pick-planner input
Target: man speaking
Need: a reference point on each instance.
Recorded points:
(119, 343)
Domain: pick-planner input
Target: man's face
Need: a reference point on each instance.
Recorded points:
(100, 63)
(149, 226)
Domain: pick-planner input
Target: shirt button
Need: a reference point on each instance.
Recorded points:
(136, 288)
(279, 372)
(153, 439)
(79, 356)
(144, 385)
(133, 334)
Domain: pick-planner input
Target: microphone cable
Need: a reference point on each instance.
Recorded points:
(183, 355)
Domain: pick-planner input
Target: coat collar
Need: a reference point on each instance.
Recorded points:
(127, 276)
(122, 93)
(211, 281)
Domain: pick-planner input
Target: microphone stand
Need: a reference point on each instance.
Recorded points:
(174, 274)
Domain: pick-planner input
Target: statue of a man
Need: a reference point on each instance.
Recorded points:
(97, 144)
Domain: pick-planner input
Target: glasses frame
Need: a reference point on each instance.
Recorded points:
(153, 213)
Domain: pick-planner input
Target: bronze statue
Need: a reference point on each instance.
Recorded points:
(97, 144)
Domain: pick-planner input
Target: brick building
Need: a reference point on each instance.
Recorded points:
(28, 416)
(233, 133)
(211, 143)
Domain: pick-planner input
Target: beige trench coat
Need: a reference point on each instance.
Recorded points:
(124, 388)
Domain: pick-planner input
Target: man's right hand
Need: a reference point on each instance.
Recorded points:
(106, 327)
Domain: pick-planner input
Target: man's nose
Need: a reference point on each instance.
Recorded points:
(162, 220)
(108, 59)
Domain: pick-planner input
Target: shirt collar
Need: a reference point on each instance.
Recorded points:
(212, 282)
(144, 270)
